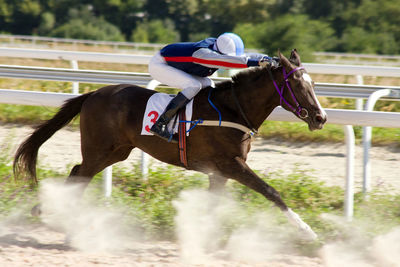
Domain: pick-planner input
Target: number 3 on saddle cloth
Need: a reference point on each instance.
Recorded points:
(155, 107)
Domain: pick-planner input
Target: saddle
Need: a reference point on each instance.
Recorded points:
(155, 107)
(183, 121)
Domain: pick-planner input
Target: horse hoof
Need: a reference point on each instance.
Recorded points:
(306, 230)
(309, 234)
(36, 211)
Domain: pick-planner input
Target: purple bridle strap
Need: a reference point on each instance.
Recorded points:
(297, 110)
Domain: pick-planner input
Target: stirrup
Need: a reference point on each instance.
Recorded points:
(162, 132)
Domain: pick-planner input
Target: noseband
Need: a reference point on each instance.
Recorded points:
(298, 110)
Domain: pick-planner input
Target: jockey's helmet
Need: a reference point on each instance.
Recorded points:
(230, 44)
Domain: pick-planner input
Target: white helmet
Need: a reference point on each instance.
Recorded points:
(230, 44)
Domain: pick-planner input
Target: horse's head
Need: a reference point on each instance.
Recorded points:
(299, 96)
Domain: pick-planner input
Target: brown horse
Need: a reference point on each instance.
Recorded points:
(111, 121)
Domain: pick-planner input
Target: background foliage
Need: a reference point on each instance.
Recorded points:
(362, 26)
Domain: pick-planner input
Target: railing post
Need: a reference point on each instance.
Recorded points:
(367, 133)
(349, 191)
(75, 85)
(107, 181)
(359, 101)
(350, 148)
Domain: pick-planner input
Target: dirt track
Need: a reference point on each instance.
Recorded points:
(39, 245)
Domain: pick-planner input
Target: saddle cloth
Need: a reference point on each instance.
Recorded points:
(156, 106)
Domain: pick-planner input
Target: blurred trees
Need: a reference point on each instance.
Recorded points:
(363, 26)
(373, 27)
(288, 32)
(83, 24)
(155, 31)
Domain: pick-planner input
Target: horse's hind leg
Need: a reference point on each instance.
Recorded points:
(82, 174)
(94, 163)
(36, 210)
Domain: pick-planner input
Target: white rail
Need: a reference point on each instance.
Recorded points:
(336, 116)
(336, 57)
(112, 77)
(143, 59)
(364, 59)
(71, 75)
(74, 55)
(37, 40)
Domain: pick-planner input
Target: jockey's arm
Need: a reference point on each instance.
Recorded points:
(212, 59)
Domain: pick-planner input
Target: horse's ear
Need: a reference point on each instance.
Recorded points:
(285, 62)
(295, 58)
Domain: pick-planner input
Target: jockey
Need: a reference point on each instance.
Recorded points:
(187, 65)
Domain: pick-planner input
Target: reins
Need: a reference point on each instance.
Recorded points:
(250, 126)
(249, 130)
(298, 110)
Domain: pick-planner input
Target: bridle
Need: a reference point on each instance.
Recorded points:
(298, 110)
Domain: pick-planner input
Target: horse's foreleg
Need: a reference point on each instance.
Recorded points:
(295, 219)
(217, 183)
(242, 173)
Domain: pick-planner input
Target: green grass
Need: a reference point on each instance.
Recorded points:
(25, 114)
(16, 195)
(298, 131)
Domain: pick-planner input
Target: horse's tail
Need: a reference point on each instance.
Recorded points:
(26, 156)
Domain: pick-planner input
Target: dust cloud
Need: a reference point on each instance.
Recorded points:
(202, 219)
(201, 223)
(357, 249)
(87, 227)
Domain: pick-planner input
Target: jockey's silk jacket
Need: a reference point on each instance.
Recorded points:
(202, 59)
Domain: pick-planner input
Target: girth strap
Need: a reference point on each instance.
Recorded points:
(226, 124)
(182, 137)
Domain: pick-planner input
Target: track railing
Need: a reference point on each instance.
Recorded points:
(112, 77)
(144, 60)
(40, 41)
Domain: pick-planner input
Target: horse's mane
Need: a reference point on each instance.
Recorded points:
(248, 75)
(243, 77)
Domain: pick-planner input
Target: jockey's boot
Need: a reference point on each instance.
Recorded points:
(160, 128)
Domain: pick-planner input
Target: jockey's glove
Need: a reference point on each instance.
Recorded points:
(266, 61)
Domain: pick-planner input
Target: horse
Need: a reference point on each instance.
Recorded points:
(111, 121)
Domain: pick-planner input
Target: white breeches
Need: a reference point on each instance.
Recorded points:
(190, 84)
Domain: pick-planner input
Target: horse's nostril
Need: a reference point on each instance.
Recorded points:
(319, 118)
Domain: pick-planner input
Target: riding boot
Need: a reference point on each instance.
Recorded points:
(160, 127)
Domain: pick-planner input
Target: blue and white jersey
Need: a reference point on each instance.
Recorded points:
(202, 59)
